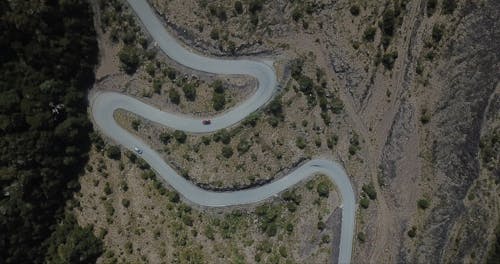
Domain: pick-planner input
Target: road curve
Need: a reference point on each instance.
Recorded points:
(103, 105)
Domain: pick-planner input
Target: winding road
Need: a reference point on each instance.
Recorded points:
(103, 105)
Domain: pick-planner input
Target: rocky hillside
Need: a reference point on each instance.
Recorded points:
(462, 87)
(418, 84)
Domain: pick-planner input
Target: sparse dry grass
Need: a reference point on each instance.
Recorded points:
(153, 227)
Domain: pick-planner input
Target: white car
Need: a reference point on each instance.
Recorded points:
(138, 150)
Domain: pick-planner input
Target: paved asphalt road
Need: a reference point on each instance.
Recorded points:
(103, 104)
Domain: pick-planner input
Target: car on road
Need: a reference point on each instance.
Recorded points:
(206, 122)
(138, 150)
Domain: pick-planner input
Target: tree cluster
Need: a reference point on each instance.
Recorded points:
(49, 51)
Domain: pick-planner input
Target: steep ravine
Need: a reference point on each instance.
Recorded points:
(469, 68)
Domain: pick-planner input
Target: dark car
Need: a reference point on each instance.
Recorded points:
(206, 122)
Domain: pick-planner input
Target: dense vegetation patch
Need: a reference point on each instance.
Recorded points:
(48, 54)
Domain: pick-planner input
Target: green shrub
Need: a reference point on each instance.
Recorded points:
(223, 136)
(423, 203)
(252, 119)
(354, 144)
(361, 237)
(292, 207)
(389, 58)
(323, 188)
(332, 141)
(129, 57)
(165, 137)
(131, 156)
(218, 11)
(218, 101)
(174, 96)
(386, 40)
(125, 203)
(205, 140)
(255, 6)
(187, 220)
(107, 189)
(180, 136)
(273, 121)
(97, 140)
(310, 185)
(214, 34)
(354, 10)
(300, 142)
(412, 232)
(337, 106)
(275, 107)
(143, 164)
(135, 124)
(437, 32)
(209, 232)
(173, 197)
(124, 186)
(296, 66)
(297, 14)
(243, 146)
(238, 7)
(369, 189)
(364, 202)
(291, 196)
(271, 229)
(490, 149)
(157, 86)
(425, 117)
(258, 257)
(129, 37)
(110, 210)
(430, 55)
(306, 84)
(388, 22)
(369, 34)
(189, 91)
(218, 86)
(420, 68)
(150, 69)
(283, 252)
(494, 252)
(321, 225)
(431, 7)
(317, 142)
(113, 152)
(128, 247)
(170, 72)
(254, 19)
(227, 151)
(449, 6)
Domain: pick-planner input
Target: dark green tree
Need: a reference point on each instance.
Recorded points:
(49, 52)
(130, 59)
(71, 243)
(238, 7)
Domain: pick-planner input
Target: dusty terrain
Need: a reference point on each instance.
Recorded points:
(140, 220)
(415, 107)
